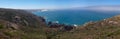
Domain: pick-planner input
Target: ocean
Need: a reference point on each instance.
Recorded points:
(78, 17)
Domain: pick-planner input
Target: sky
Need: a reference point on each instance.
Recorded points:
(54, 4)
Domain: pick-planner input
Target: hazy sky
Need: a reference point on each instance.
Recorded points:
(52, 4)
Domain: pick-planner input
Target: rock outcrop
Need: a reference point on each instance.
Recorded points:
(20, 24)
(21, 17)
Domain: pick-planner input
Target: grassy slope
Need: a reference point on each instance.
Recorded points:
(104, 29)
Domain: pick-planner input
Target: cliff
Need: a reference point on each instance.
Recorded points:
(21, 17)
(19, 24)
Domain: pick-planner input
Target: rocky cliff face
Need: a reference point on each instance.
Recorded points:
(21, 17)
(19, 24)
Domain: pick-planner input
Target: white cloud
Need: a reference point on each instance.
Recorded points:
(104, 8)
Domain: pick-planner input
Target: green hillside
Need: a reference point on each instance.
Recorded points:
(20, 24)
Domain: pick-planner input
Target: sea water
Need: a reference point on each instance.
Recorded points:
(75, 16)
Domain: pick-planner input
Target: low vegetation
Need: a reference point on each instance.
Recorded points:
(19, 24)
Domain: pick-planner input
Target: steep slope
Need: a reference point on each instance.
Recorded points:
(20, 24)
(21, 17)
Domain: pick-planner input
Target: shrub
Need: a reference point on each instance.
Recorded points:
(1, 26)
